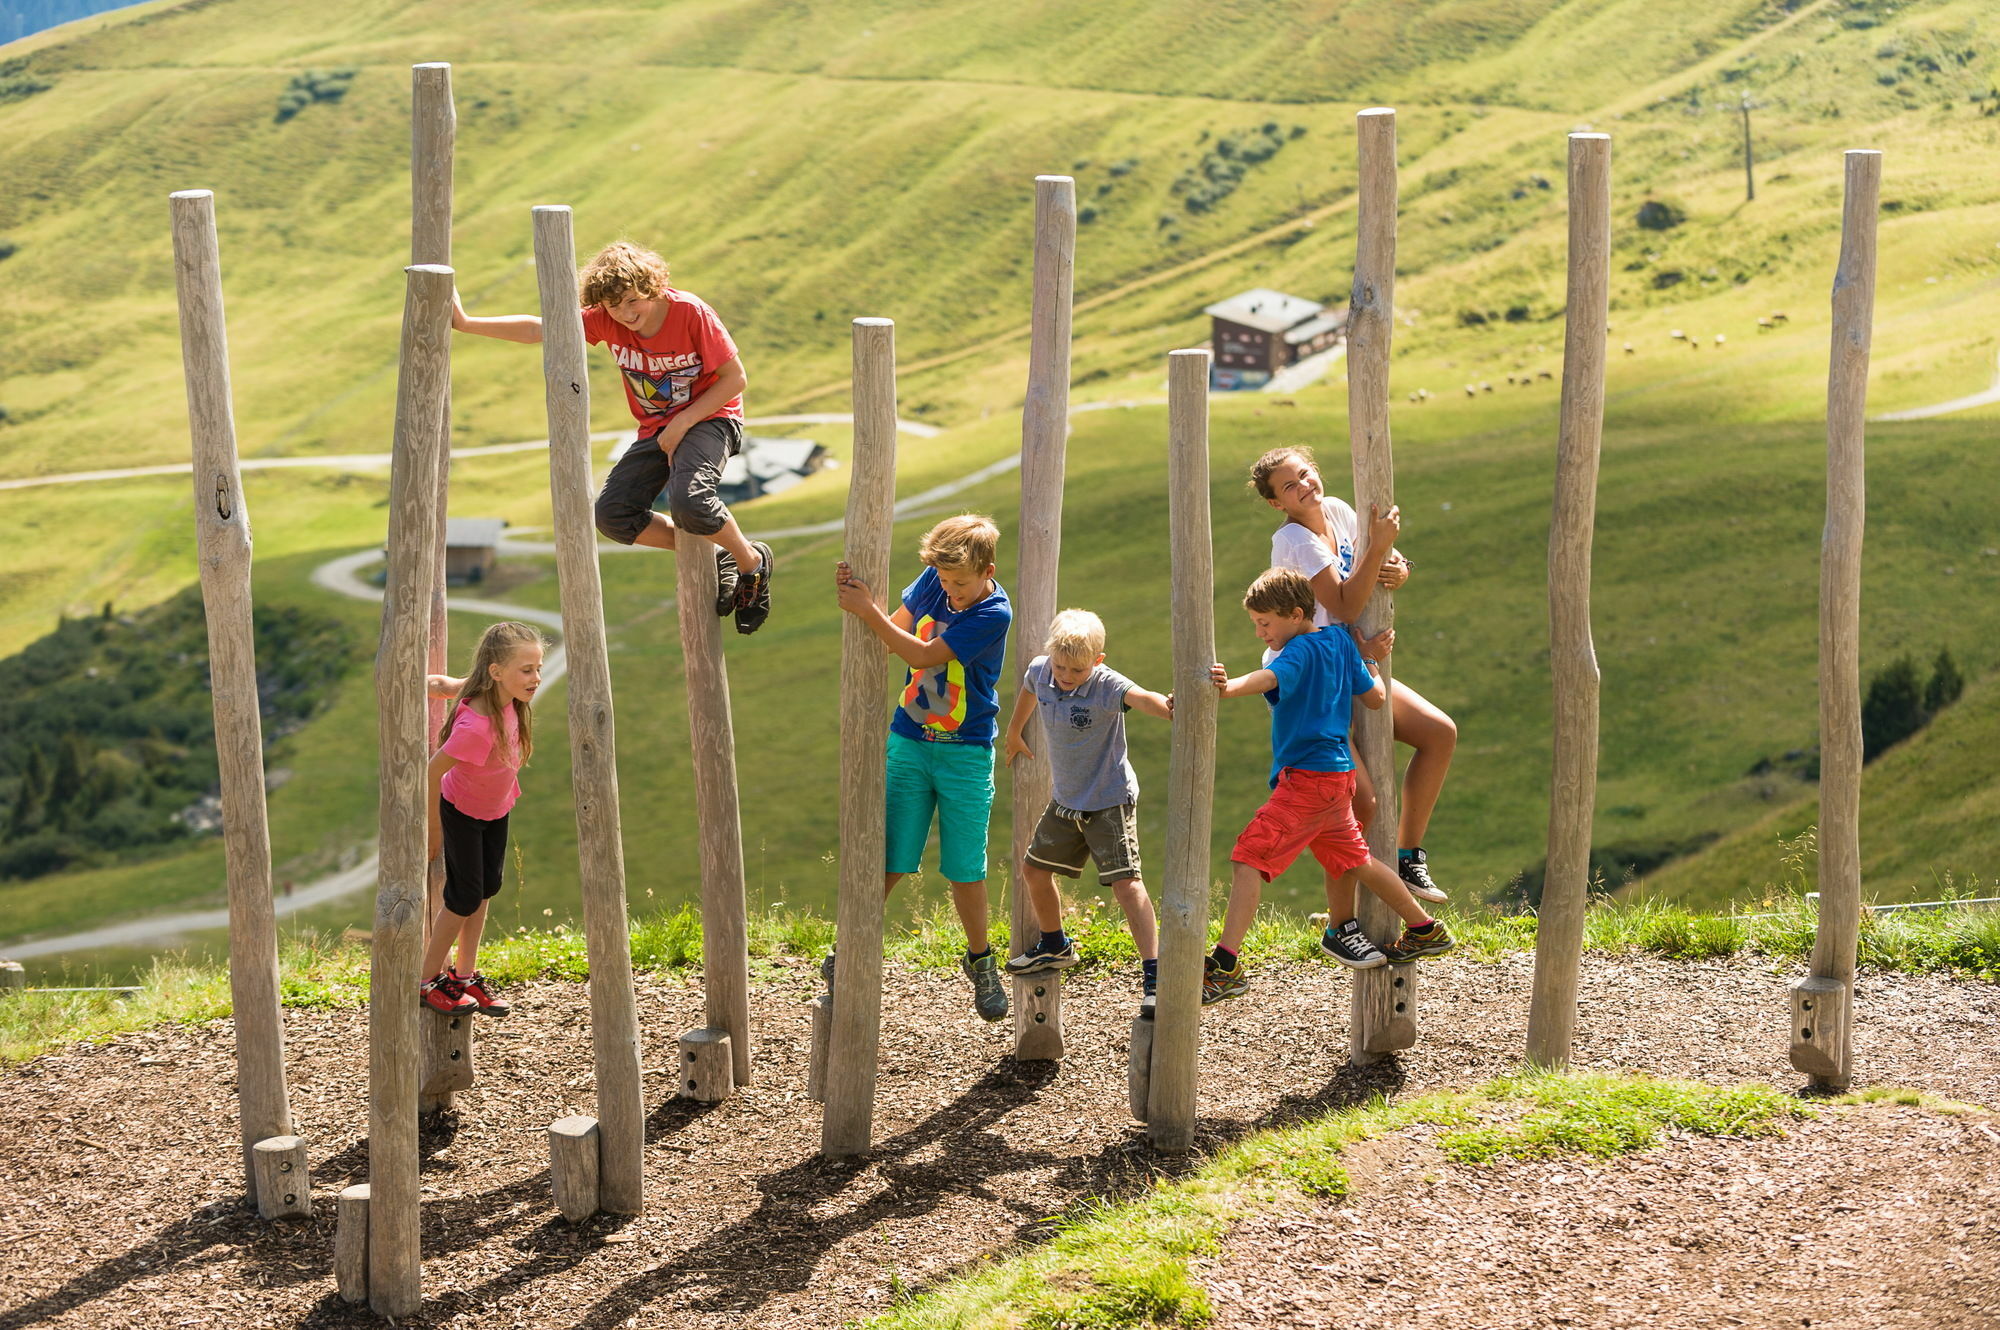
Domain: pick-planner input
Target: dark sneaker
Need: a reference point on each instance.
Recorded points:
(989, 995)
(446, 994)
(1218, 983)
(753, 592)
(1149, 993)
(1418, 878)
(1043, 957)
(474, 986)
(1350, 946)
(725, 582)
(826, 971)
(1432, 941)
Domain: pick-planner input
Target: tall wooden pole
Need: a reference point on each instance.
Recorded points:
(433, 131)
(1383, 1010)
(222, 536)
(1038, 1032)
(1823, 1004)
(1170, 1111)
(614, 1021)
(725, 937)
(1572, 657)
(395, 1276)
(847, 1126)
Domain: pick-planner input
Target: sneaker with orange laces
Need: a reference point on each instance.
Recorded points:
(474, 986)
(447, 994)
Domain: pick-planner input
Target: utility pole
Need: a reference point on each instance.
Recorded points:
(1749, 177)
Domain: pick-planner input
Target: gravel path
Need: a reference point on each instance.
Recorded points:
(119, 1172)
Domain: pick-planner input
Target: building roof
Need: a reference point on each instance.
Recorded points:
(473, 532)
(1265, 310)
(1312, 328)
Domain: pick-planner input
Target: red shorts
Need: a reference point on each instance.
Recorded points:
(1310, 810)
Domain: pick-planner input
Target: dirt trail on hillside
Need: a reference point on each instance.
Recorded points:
(119, 1169)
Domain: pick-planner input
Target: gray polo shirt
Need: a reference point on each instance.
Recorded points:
(1083, 737)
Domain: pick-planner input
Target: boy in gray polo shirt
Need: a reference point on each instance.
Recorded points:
(1094, 812)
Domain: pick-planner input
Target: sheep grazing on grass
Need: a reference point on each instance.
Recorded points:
(1720, 339)
(1781, 318)
(1630, 350)
(1765, 325)
(1471, 390)
(1543, 374)
(1677, 335)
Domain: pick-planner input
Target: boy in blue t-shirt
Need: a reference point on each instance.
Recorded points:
(951, 631)
(1310, 683)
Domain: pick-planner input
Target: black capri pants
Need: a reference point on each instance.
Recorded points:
(475, 851)
(690, 481)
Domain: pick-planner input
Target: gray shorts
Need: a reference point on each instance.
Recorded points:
(690, 481)
(1109, 835)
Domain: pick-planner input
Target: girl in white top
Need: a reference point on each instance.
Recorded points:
(1320, 541)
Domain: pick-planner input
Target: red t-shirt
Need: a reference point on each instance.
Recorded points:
(483, 784)
(666, 371)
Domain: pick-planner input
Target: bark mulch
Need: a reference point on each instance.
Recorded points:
(120, 1182)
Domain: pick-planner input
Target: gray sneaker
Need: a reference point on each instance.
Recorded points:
(989, 995)
(1351, 947)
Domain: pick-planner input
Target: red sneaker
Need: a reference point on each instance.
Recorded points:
(447, 994)
(474, 987)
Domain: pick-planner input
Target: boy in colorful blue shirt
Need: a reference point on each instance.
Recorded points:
(951, 631)
(1311, 683)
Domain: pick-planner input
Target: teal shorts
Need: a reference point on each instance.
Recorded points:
(956, 782)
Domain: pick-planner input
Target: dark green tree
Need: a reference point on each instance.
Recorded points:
(1947, 682)
(1893, 710)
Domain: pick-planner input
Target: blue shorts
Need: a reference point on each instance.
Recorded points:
(956, 782)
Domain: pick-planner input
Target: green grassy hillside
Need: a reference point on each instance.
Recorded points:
(871, 160)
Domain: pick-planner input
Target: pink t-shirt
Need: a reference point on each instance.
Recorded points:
(665, 372)
(482, 785)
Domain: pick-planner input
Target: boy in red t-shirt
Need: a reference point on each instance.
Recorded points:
(684, 382)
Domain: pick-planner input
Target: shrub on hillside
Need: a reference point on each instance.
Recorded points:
(1897, 705)
(315, 85)
(1660, 215)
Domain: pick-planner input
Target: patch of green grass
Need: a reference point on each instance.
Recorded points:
(1601, 1114)
(1127, 1265)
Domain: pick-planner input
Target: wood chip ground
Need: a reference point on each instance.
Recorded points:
(120, 1183)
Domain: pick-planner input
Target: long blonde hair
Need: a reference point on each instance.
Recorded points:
(496, 645)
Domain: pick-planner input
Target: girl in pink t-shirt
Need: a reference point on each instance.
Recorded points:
(487, 737)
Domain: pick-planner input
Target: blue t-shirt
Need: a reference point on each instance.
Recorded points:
(958, 701)
(1319, 676)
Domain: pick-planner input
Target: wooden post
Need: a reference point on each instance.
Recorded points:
(222, 541)
(448, 1059)
(433, 132)
(1572, 657)
(1382, 1014)
(1822, 1036)
(1038, 1031)
(284, 1182)
(350, 1243)
(707, 1073)
(1139, 1067)
(821, 1046)
(614, 1020)
(847, 1125)
(13, 978)
(1176, 1043)
(574, 1160)
(725, 934)
(395, 1275)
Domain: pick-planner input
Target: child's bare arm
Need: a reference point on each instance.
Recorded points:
(1024, 707)
(730, 381)
(858, 600)
(1344, 600)
(1243, 685)
(523, 328)
(1376, 696)
(442, 686)
(1153, 704)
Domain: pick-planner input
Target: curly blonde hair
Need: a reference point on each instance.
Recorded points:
(620, 269)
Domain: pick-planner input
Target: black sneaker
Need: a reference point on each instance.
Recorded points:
(753, 592)
(1149, 995)
(826, 971)
(1350, 946)
(1418, 878)
(1043, 957)
(1432, 941)
(1218, 984)
(725, 582)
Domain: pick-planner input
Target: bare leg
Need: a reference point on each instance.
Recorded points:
(469, 930)
(1381, 879)
(1432, 738)
(889, 881)
(969, 899)
(1246, 889)
(1045, 899)
(1339, 898)
(658, 535)
(1138, 906)
(444, 932)
(661, 535)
